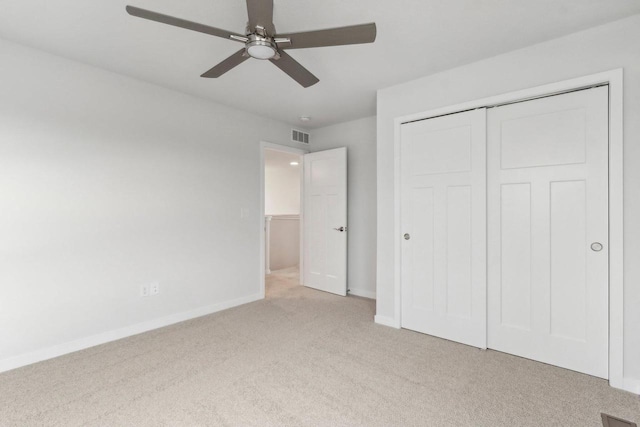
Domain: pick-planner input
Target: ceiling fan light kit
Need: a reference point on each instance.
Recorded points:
(262, 42)
(259, 47)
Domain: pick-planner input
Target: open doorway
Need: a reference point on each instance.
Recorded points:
(318, 215)
(282, 215)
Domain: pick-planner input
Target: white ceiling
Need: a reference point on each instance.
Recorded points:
(415, 38)
(280, 160)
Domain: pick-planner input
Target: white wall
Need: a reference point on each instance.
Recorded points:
(108, 183)
(589, 52)
(284, 242)
(359, 137)
(282, 183)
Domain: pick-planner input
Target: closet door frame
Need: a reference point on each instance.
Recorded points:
(614, 79)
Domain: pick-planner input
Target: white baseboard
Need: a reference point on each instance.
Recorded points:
(362, 293)
(386, 321)
(127, 331)
(631, 385)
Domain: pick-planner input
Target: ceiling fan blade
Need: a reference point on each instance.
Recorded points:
(296, 71)
(354, 34)
(261, 14)
(177, 22)
(233, 61)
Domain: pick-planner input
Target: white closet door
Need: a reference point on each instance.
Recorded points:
(325, 221)
(443, 203)
(548, 230)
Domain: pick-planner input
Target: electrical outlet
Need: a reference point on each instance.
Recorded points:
(144, 290)
(154, 288)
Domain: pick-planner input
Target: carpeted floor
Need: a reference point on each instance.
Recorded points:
(300, 357)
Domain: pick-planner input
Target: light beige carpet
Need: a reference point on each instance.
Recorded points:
(300, 357)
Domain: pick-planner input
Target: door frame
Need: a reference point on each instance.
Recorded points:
(614, 78)
(262, 222)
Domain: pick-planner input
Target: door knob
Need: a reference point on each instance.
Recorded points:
(407, 236)
(596, 246)
(341, 229)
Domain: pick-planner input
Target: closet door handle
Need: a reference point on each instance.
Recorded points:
(341, 229)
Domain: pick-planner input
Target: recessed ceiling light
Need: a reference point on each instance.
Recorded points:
(305, 118)
(294, 163)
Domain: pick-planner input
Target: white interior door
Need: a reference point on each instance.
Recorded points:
(325, 221)
(548, 230)
(443, 213)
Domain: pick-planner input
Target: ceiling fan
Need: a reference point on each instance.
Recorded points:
(262, 42)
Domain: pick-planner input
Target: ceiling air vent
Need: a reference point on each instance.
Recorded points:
(299, 136)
